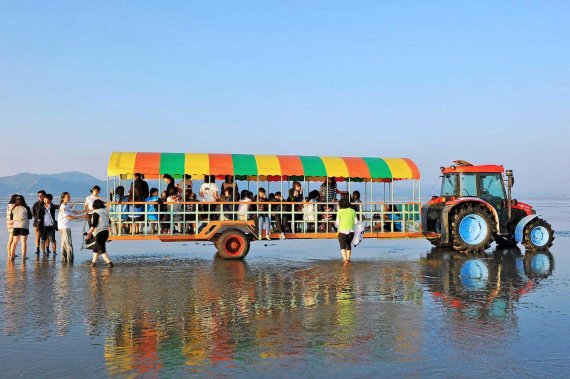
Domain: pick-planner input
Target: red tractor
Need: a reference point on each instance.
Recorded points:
(474, 210)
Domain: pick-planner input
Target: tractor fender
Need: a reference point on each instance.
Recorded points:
(452, 204)
(519, 229)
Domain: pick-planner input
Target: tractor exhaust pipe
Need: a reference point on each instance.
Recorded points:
(510, 184)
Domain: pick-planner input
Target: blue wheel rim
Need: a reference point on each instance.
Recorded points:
(539, 236)
(473, 229)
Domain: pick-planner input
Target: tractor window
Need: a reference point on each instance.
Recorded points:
(468, 185)
(492, 186)
(449, 185)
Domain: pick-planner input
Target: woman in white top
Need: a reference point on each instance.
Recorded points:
(91, 198)
(10, 223)
(64, 217)
(21, 216)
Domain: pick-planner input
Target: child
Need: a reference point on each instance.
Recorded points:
(152, 218)
(48, 225)
(262, 214)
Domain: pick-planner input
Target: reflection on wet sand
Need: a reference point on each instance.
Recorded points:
(481, 291)
(230, 314)
(167, 316)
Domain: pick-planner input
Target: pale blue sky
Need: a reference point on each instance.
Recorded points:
(485, 81)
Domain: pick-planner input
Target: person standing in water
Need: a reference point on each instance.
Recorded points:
(99, 222)
(21, 216)
(345, 222)
(64, 217)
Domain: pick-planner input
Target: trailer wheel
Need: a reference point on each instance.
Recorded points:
(471, 229)
(538, 235)
(232, 244)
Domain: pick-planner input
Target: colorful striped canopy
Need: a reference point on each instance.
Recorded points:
(266, 167)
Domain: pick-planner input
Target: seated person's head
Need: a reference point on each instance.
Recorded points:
(98, 204)
(261, 193)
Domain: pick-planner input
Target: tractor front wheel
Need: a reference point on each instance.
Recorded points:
(232, 244)
(538, 235)
(471, 228)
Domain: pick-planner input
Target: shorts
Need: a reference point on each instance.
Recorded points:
(20, 232)
(48, 232)
(345, 240)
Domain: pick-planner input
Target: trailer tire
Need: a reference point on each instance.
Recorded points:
(472, 227)
(538, 235)
(232, 244)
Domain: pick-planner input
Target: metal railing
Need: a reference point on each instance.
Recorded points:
(189, 218)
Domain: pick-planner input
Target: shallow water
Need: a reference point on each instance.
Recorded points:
(290, 309)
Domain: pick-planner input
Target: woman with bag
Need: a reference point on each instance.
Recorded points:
(21, 216)
(99, 227)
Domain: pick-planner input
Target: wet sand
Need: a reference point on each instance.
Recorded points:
(290, 309)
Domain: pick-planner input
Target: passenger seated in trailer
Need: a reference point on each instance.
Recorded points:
(164, 216)
(328, 192)
(310, 211)
(152, 217)
(227, 209)
(262, 213)
(392, 216)
(210, 194)
(230, 183)
(169, 180)
(185, 183)
(119, 211)
(281, 220)
(296, 196)
(190, 209)
(175, 207)
(356, 203)
(243, 208)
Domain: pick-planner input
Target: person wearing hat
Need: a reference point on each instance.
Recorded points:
(345, 222)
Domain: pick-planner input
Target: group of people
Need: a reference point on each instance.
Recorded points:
(46, 218)
(175, 211)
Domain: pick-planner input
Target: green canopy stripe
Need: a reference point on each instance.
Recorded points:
(379, 169)
(244, 165)
(172, 163)
(313, 166)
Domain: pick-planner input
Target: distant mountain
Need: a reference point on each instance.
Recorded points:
(76, 183)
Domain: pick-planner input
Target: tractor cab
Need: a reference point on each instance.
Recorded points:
(484, 182)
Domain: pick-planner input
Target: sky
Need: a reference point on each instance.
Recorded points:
(483, 81)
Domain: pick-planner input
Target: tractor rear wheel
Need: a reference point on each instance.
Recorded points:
(232, 244)
(471, 228)
(538, 235)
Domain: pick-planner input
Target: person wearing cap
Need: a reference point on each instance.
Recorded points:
(345, 222)
(89, 200)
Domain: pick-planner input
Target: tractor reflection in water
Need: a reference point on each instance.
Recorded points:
(484, 287)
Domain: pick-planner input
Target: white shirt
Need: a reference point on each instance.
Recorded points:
(243, 208)
(209, 189)
(89, 201)
(62, 221)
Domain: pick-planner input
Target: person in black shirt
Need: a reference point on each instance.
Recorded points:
(35, 214)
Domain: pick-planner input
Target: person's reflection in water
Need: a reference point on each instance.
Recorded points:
(97, 299)
(13, 317)
(63, 302)
(345, 310)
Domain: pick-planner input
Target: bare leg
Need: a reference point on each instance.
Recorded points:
(348, 255)
(95, 257)
(343, 252)
(24, 246)
(53, 246)
(10, 242)
(38, 238)
(14, 245)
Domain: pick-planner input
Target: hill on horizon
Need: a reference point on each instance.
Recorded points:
(76, 183)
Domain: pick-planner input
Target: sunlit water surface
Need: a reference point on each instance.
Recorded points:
(290, 309)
